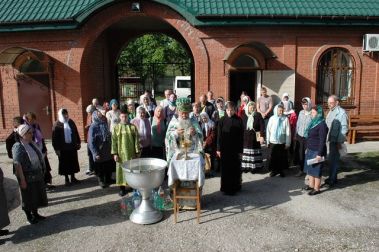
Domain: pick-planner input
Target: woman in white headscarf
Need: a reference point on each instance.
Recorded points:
(144, 130)
(253, 123)
(66, 143)
(278, 135)
(149, 107)
(287, 104)
(30, 169)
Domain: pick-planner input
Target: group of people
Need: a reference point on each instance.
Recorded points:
(230, 136)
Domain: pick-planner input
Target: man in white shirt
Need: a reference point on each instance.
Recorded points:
(164, 102)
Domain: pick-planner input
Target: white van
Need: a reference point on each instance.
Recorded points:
(182, 86)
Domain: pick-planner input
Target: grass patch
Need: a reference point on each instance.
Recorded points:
(368, 160)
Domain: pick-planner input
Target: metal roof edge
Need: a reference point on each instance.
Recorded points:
(190, 16)
(84, 14)
(289, 22)
(38, 27)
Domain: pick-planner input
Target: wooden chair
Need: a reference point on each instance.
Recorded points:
(177, 194)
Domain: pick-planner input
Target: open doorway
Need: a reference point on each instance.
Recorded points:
(243, 76)
(242, 81)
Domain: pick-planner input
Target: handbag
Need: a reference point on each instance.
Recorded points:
(208, 162)
(257, 136)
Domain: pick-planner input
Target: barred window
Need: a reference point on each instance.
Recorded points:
(335, 76)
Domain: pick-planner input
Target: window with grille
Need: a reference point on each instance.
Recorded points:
(335, 76)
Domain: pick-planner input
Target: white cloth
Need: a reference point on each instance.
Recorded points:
(113, 118)
(33, 155)
(66, 127)
(207, 126)
(164, 103)
(186, 170)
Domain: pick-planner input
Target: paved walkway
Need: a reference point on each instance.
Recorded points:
(270, 214)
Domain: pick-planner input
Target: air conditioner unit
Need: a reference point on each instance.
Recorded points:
(371, 42)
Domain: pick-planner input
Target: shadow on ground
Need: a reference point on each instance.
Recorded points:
(259, 194)
(96, 215)
(357, 169)
(85, 183)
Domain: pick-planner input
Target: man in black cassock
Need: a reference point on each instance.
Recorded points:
(229, 149)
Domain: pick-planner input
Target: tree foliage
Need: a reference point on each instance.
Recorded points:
(153, 55)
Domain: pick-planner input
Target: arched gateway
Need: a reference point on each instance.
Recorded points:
(88, 68)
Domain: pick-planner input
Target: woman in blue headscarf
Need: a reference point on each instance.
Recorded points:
(100, 144)
(315, 134)
(113, 115)
(278, 135)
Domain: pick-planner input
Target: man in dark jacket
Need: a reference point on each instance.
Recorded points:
(206, 106)
(13, 138)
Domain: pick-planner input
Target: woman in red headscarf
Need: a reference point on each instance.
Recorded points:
(241, 110)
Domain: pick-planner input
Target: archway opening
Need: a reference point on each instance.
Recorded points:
(32, 74)
(104, 60)
(154, 62)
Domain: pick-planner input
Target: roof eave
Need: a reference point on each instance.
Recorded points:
(284, 21)
(38, 26)
(340, 17)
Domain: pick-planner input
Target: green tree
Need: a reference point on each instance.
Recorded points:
(151, 56)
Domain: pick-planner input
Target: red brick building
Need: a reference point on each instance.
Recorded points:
(57, 54)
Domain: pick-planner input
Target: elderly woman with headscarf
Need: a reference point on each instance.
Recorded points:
(220, 110)
(66, 143)
(30, 169)
(144, 131)
(31, 119)
(195, 114)
(300, 142)
(241, 110)
(209, 139)
(113, 115)
(90, 109)
(287, 104)
(253, 137)
(130, 108)
(100, 144)
(158, 133)
(148, 106)
(278, 135)
(315, 134)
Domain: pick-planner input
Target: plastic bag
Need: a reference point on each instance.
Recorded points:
(126, 206)
(12, 193)
(343, 150)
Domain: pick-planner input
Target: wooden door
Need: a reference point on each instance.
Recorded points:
(34, 96)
